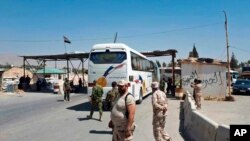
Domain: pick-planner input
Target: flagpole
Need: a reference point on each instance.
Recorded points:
(115, 37)
(65, 48)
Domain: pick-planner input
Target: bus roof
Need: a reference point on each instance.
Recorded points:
(116, 46)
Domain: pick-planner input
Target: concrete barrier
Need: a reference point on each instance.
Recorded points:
(223, 133)
(198, 127)
(202, 128)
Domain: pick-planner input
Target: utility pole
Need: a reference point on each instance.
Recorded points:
(228, 61)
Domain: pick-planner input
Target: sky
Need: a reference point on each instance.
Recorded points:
(37, 27)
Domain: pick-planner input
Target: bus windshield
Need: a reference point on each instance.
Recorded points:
(108, 57)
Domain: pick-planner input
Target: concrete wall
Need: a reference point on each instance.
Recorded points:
(198, 127)
(213, 78)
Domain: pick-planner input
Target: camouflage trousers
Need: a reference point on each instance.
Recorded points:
(119, 135)
(158, 128)
(96, 104)
(198, 101)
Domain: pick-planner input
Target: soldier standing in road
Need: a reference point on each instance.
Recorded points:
(123, 114)
(169, 87)
(160, 106)
(111, 96)
(27, 81)
(197, 88)
(80, 84)
(96, 100)
(162, 84)
(66, 89)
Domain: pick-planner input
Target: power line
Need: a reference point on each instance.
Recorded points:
(172, 30)
(240, 49)
(109, 38)
(223, 53)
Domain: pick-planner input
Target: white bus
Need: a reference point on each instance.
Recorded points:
(116, 61)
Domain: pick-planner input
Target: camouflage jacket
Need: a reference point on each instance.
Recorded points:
(97, 93)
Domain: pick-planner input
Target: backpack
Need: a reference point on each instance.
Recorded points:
(127, 113)
(67, 86)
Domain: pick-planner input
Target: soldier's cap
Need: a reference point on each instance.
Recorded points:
(155, 84)
(122, 83)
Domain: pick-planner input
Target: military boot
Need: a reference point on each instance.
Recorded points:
(91, 114)
(100, 117)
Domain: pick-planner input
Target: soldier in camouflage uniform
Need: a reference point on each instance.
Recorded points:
(162, 84)
(96, 100)
(111, 95)
(160, 105)
(66, 89)
(198, 93)
(123, 114)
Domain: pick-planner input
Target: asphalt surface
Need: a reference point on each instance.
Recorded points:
(228, 112)
(43, 116)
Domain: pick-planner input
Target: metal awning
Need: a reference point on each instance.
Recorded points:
(158, 53)
(58, 57)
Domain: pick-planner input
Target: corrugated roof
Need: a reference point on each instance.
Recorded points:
(51, 71)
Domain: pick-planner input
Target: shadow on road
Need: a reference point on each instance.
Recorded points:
(181, 125)
(86, 118)
(100, 132)
(80, 107)
(60, 100)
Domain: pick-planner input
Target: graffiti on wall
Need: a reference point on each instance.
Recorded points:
(209, 80)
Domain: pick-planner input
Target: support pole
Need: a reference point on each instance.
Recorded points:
(228, 61)
(44, 68)
(68, 68)
(173, 73)
(83, 72)
(24, 66)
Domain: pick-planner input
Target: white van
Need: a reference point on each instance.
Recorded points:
(234, 76)
(6, 81)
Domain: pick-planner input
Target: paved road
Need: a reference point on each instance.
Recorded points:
(226, 112)
(40, 116)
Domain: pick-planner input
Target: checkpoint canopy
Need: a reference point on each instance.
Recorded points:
(84, 56)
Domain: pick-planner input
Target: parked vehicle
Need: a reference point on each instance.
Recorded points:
(234, 75)
(9, 81)
(241, 86)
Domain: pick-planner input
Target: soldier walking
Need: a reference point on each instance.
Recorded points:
(123, 114)
(96, 100)
(111, 96)
(160, 106)
(66, 89)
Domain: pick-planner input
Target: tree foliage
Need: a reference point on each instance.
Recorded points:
(164, 64)
(158, 63)
(6, 66)
(194, 53)
(233, 62)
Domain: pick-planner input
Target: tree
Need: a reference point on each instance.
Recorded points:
(248, 61)
(158, 63)
(194, 53)
(164, 64)
(233, 62)
(242, 64)
(175, 64)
